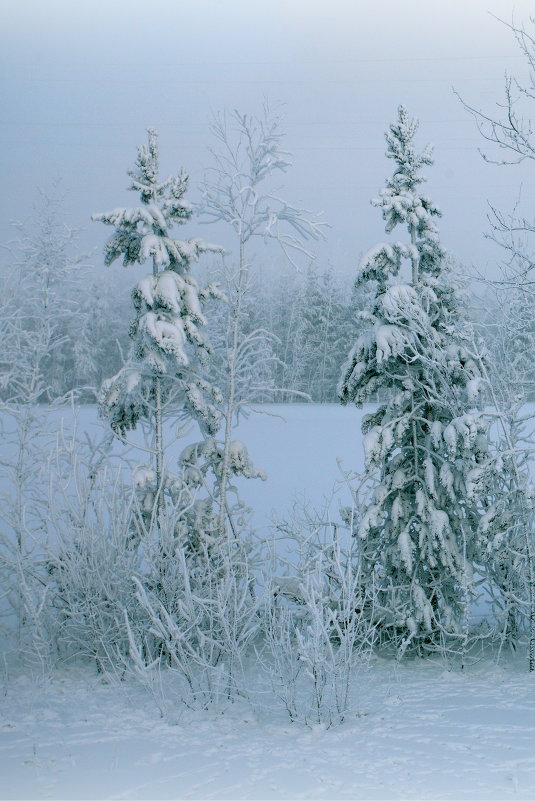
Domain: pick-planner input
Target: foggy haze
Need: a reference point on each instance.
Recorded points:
(82, 81)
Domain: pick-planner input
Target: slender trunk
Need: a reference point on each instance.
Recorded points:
(25, 420)
(232, 347)
(158, 435)
(158, 445)
(415, 261)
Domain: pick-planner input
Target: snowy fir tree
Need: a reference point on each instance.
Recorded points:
(323, 321)
(170, 347)
(426, 444)
(102, 337)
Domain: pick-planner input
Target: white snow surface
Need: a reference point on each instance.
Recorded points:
(419, 732)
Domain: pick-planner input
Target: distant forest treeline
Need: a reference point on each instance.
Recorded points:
(302, 322)
(306, 322)
(66, 323)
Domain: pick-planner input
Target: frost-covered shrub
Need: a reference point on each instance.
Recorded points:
(91, 567)
(317, 630)
(202, 615)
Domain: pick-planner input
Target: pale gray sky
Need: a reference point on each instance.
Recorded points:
(82, 80)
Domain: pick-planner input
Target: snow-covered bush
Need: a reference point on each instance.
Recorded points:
(509, 132)
(202, 615)
(93, 552)
(24, 596)
(38, 324)
(92, 581)
(120, 593)
(317, 630)
(510, 518)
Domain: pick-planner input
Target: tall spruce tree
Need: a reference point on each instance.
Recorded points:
(426, 442)
(170, 346)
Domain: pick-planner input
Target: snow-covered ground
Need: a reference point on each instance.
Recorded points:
(416, 730)
(420, 732)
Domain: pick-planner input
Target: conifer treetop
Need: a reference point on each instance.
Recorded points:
(399, 139)
(170, 346)
(142, 232)
(401, 202)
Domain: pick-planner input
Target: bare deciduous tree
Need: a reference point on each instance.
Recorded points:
(237, 192)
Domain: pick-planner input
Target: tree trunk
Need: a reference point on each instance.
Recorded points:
(233, 336)
(158, 436)
(158, 425)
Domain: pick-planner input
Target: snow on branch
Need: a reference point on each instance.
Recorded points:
(250, 154)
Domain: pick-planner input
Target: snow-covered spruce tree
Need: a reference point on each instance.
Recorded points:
(283, 307)
(102, 337)
(170, 347)
(322, 314)
(426, 442)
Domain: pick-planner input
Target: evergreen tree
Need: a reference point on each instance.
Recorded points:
(426, 442)
(283, 300)
(101, 336)
(46, 280)
(322, 315)
(170, 346)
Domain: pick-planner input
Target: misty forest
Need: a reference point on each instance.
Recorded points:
(267, 528)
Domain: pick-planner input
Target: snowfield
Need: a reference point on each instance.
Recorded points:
(419, 732)
(416, 730)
